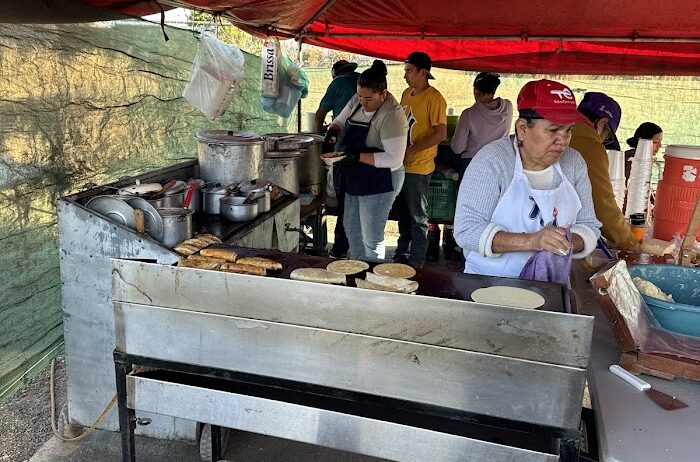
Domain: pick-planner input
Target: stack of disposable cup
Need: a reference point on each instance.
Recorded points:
(638, 186)
(616, 170)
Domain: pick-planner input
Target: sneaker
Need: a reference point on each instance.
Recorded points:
(400, 258)
(337, 255)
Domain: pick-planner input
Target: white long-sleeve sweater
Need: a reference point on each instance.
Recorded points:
(486, 180)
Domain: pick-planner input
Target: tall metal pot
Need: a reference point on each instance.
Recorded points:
(228, 156)
(282, 169)
(311, 170)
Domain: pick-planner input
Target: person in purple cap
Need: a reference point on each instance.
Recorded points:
(590, 138)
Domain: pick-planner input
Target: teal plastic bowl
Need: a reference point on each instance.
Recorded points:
(681, 282)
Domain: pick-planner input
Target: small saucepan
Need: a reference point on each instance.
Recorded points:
(233, 209)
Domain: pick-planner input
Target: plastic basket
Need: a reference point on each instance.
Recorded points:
(442, 198)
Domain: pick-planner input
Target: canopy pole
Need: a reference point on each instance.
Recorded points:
(313, 19)
(300, 41)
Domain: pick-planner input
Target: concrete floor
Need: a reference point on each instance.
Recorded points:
(105, 446)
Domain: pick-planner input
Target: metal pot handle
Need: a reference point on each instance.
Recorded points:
(182, 218)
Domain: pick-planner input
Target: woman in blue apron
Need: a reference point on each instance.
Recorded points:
(373, 130)
(523, 194)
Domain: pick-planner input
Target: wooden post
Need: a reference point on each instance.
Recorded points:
(687, 247)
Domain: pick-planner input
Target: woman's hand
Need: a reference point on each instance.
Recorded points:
(552, 239)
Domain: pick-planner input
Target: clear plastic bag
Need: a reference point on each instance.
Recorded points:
(292, 86)
(212, 82)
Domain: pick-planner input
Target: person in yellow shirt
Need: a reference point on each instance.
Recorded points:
(426, 111)
(590, 139)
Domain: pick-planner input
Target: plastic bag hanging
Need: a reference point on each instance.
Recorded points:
(293, 85)
(212, 81)
(269, 76)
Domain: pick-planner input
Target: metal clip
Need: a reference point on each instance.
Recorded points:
(143, 421)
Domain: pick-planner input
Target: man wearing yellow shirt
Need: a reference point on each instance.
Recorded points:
(426, 111)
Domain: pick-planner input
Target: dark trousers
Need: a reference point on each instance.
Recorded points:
(412, 209)
(340, 240)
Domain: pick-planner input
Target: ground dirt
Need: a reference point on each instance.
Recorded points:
(25, 420)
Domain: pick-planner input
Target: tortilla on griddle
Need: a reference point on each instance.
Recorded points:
(319, 275)
(243, 269)
(396, 270)
(266, 263)
(347, 267)
(508, 296)
(198, 264)
(405, 286)
(224, 254)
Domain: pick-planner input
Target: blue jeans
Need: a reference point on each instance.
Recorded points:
(365, 218)
(412, 208)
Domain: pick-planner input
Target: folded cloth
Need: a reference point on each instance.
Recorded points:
(547, 266)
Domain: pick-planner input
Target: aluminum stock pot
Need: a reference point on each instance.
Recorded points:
(311, 171)
(177, 225)
(282, 169)
(229, 156)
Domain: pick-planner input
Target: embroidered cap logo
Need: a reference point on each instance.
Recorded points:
(602, 108)
(562, 94)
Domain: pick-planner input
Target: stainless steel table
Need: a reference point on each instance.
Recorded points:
(631, 427)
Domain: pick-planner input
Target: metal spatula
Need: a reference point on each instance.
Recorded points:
(668, 402)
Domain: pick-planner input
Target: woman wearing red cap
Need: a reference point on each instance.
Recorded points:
(530, 192)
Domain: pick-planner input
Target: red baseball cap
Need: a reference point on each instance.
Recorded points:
(552, 100)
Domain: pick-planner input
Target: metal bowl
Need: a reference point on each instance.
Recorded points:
(233, 209)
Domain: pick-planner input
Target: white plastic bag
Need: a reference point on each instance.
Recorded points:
(212, 82)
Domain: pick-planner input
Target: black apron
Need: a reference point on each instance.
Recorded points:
(361, 179)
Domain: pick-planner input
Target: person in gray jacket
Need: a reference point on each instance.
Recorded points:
(489, 119)
(519, 195)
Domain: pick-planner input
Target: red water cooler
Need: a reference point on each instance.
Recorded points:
(677, 191)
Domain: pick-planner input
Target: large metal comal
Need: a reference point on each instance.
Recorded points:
(455, 360)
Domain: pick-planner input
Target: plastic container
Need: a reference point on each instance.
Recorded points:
(442, 197)
(638, 225)
(683, 284)
(677, 191)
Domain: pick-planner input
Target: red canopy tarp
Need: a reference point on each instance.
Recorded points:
(632, 37)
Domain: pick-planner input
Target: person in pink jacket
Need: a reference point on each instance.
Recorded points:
(489, 119)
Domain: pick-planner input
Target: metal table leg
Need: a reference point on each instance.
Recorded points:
(127, 417)
(215, 443)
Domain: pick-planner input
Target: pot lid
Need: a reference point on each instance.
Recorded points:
(178, 187)
(139, 189)
(282, 154)
(217, 188)
(291, 138)
(316, 137)
(260, 184)
(228, 137)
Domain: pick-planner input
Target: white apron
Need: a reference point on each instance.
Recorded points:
(523, 209)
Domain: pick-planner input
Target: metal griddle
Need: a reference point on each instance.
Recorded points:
(433, 282)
